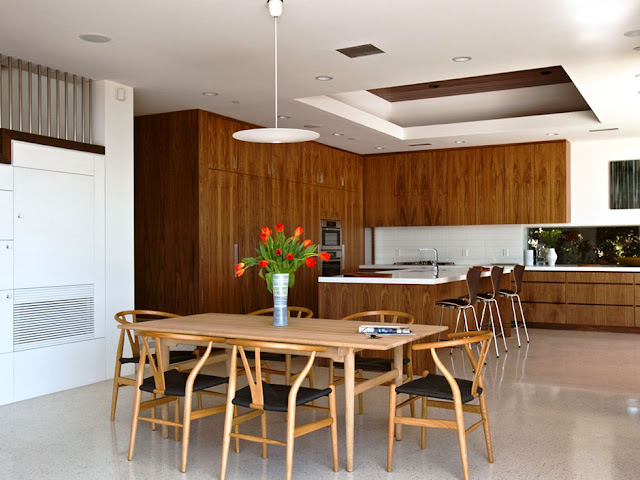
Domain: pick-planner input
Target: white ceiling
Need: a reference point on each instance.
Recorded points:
(172, 51)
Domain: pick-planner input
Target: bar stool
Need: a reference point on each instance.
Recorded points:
(491, 298)
(462, 304)
(518, 273)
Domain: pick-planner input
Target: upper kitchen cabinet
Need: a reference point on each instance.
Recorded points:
(217, 148)
(522, 183)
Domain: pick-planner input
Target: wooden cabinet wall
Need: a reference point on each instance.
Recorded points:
(506, 184)
(200, 195)
(584, 300)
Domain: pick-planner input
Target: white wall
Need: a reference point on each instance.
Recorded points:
(113, 128)
(590, 182)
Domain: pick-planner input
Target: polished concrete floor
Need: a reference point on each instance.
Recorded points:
(566, 406)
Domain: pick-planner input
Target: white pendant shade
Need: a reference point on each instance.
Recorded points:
(276, 135)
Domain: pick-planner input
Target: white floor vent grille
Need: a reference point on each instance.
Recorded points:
(52, 316)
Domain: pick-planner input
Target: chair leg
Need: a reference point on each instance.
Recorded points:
(291, 425)
(504, 339)
(493, 328)
(199, 400)
(153, 413)
(263, 425)
(392, 424)
(334, 427)
(116, 387)
(524, 323)
(456, 329)
(186, 427)
(515, 320)
(176, 418)
(423, 430)
(462, 439)
(236, 430)
(134, 420)
(487, 430)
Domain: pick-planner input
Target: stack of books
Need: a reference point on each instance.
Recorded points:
(384, 330)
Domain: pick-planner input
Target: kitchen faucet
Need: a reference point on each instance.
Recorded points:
(435, 260)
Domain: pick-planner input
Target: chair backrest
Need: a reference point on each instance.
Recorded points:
(518, 273)
(473, 280)
(134, 316)
(467, 340)
(146, 357)
(255, 381)
(382, 316)
(496, 276)
(294, 312)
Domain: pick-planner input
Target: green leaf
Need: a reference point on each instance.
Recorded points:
(292, 279)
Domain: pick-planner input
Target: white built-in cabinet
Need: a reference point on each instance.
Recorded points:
(51, 270)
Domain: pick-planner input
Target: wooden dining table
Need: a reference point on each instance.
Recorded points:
(340, 337)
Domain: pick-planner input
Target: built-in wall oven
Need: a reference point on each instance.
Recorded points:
(332, 244)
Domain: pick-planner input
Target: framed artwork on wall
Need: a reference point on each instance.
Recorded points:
(624, 184)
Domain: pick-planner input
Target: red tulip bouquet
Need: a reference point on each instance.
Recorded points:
(281, 254)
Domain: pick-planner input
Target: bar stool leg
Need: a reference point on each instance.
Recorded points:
(484, 306)
(466, 325)
(456, 330)
(475, 317)
(441, 315)
(524, 323)
(515, 319)
(504, 339)
(493, 328)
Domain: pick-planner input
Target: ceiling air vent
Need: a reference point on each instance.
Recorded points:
(419, 144)
(360, 51)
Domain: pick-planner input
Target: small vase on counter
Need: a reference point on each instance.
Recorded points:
(551, 257)
(280, 293)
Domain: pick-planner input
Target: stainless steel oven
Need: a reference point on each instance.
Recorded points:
(331, 234)
(333, 266)
(332, 244)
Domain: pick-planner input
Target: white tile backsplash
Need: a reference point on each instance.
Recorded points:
(483, 244)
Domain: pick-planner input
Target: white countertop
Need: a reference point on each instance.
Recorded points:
(414, 275)
(532, 268)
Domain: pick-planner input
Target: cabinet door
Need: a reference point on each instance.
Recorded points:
(255, 158)
(380, 192)
(353, 173)
(490, 186)
(219, 290)
(286, 162)
(460, 195)
(6, 321)
(255, 211)
(6, 265)
(519, 164)
(551, 168)
(54, 228)
(6, 215)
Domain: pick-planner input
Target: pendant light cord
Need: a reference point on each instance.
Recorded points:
(275, 23)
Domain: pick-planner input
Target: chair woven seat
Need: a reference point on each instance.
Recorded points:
(174, 357)
(276, 397)
(372, 364)
(175, 383)
(437, 386)
(453, 302)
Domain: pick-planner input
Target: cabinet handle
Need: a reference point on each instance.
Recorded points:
(273, 169)
(268, 169)
(20, 215)
(343, 181)
(236, 260)
(235, 161)
(320, 177)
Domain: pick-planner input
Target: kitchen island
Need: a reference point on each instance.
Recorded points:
(413, 290)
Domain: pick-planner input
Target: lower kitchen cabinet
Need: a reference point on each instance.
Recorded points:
(582, 300)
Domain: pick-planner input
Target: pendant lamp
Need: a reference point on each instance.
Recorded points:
(275, 135)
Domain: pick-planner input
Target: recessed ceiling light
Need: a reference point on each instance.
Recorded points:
(551, 134)
(283, 117)
(235, 101)
(94, 38)
(460, 141)
(324, 78)
(632, 33)
(210, 94)
(380, 148)
(338, 134)
(637, 49)
(350, 138)
(461, 59)
(312, 125)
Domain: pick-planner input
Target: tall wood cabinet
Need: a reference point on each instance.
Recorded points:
(503, 184)
(201, 198)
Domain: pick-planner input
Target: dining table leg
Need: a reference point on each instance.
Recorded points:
(349, 404)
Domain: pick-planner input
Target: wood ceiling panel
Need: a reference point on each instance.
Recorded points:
(483, 83)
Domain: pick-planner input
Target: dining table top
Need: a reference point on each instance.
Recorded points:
(305, 331)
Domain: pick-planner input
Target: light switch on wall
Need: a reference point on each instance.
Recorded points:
(505, 252)
(465, 252)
